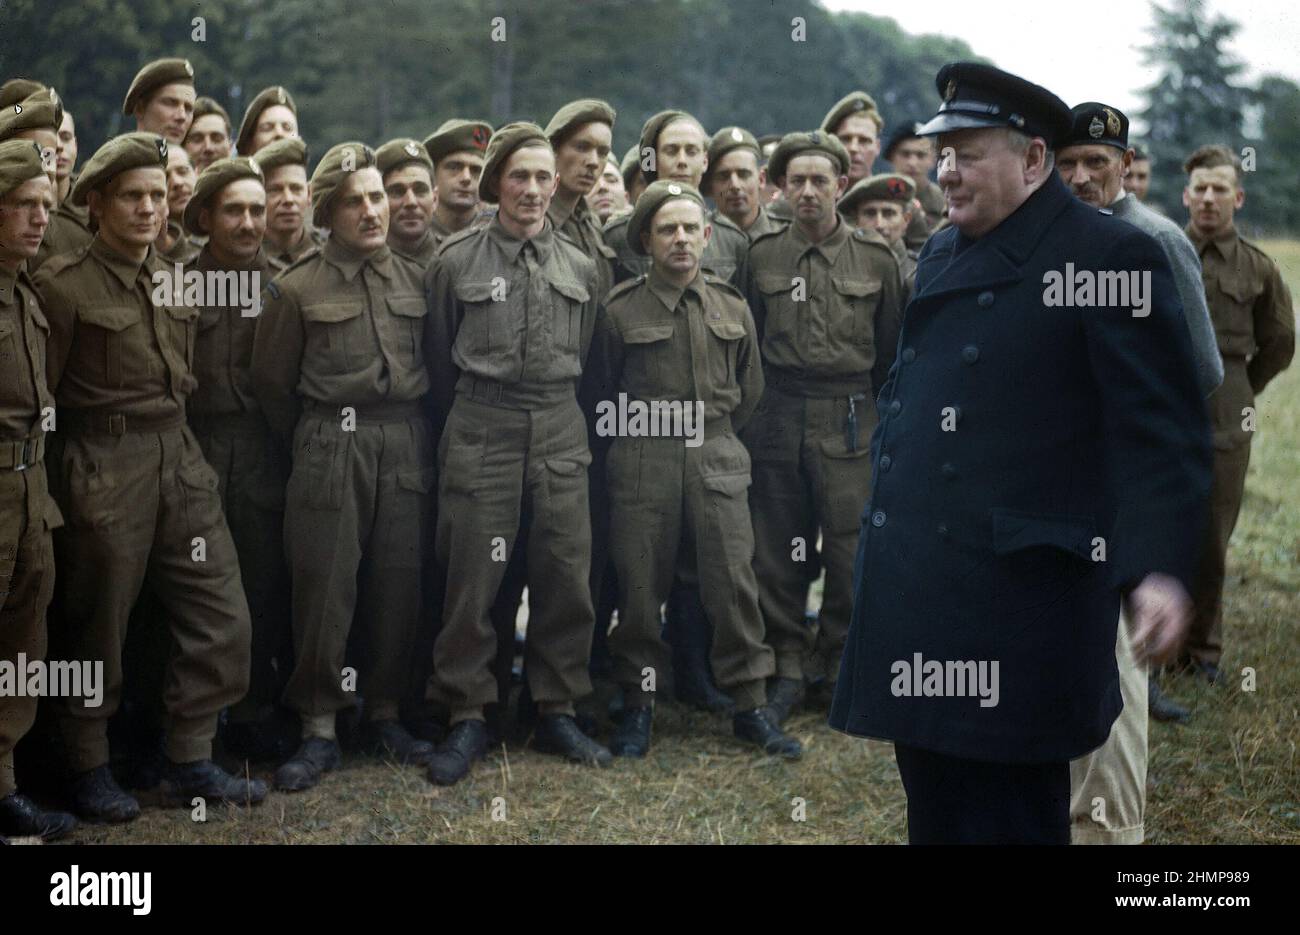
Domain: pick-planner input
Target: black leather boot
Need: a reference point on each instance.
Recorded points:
(632, 739)
(390, 739)
(1163, 708)
(96, 796)
(559, 734)
(304, 769)
(452, 760)
(758, 728)
(783, 697)
(183, 782)
(20, 817)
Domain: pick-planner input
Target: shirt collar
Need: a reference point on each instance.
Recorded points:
(350, 262)
(667, 293)
(420, 245)
(510, 245)
(124, 269)
(828, 248)
(1225, 243)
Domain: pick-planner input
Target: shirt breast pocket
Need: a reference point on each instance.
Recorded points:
(567, 299)
(408, 313)
(1236, 329)
(646, 368)
(488, 330)
(856, 303)
(183, 323)
(334, 334)
(107, 343)
(779, 297)
(725, 351)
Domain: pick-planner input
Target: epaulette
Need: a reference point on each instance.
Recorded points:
(863, 235)
(618, 220)
(723, 284)
(627, 285)
(61, 261)
(768, 235)
(457, 238)
(721, 220)
(1256, 249)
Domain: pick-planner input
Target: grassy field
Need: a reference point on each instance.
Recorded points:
(1231, 776)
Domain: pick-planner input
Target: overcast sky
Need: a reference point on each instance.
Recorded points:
(1088, 51)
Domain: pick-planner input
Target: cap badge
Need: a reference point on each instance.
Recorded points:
(896, 187)
(1112, 121)
(480, 137)
(162, 148)
(674, 189)
(814, 137)
(737, 135)
(1096, 128)
(411, 149)
(950, 91)
(279, 95)
(189, 69)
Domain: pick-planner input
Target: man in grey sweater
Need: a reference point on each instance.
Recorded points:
(1108, 787)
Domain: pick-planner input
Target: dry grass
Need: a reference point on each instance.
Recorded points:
(1231, 776)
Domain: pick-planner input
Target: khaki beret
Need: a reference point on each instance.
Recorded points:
(120, 154)
(291, 151)
(20, 161)
(153, 76)
(397, 153)
(724, 141)
(794, 144)
(651, 129)
(656, 195)
(274, 96)
(42, 110)
(206, 107)
(15, 90)
(888, 186)
(630, 165)
(330, 174)
(576, 113)
(212, 180)
(504, 142)
(855, 102)
(457, 136)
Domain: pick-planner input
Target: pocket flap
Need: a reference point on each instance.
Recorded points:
(474, 291)
(183, 312)
(856, 287)
(569, 466)
(773, 283)
(110, 317)
(1239, 289)
(6, 328)
(571, 289)
(408, 306)
(728, 329)
(420, 481)
(331, 312)
(733, 485)
(648, 334)
(198, 476)
(833, 446)
(1014, 530)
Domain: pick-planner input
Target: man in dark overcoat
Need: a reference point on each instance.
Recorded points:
(1042, 454)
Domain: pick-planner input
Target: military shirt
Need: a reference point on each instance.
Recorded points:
(765, 223)
(828, 314)
(280, 260)
(725, 254)
(508, 311)
(223, 349)
(421, 254)
(658, 341)
(343, 329)
(184, 248)
(906, 267)
(582, 228)
(24, 332)
(69, 230)
(111, 348)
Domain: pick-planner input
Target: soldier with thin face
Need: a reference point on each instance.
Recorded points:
(161, 99)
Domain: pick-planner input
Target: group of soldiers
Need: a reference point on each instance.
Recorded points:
(258, 518)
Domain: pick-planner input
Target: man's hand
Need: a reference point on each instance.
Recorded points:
(1159, 612)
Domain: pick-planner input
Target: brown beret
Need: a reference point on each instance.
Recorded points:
(340, 161)
(650, 131)
(576, 113)
(399, 152)
(888, 186)
(118, 155)
(20, 160)
(42, 110)
(274, 96)
(456, 136)
(724, 141)
(212, 180)
(630, 165)
(153, 76)
(15, 89)
(291, 151)
(855, 102)
(504, 142)
(656, 195)
(794, 144)
(206, 107)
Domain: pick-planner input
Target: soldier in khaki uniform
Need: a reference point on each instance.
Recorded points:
(914, 157)
(37, 118)
(290, 234)
(174, 242)
(229, 210)
(1251, 309)
(161, 99)
(634, 182)
(735, 181)
(828, 305)
(70, 224)
(408, 181)
(512, 311)
(609, 197)
(209, 137)
(456, 148)
(27, 512)
(856, 122)
(679, 336)
(674, 146)
(271, 115)
(885, 204)
(338, 365)
(140, 502)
